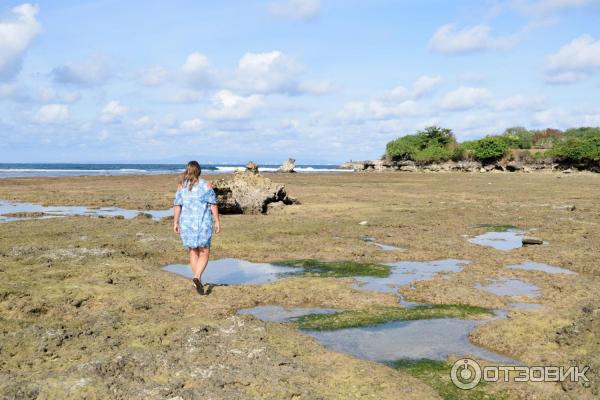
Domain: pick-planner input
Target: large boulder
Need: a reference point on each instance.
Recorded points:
(288, 166)
(248, 193)
(514, 166)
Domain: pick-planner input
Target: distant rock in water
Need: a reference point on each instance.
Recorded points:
(288, 166)
(249, 193)
(252, 167)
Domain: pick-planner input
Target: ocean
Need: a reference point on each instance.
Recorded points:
(19, 170)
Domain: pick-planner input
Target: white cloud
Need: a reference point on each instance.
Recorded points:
(52, 114)
(89, 72)
(423, 86)
(229, 106)
(550, 118)
(21, 93)
(541, 8)
(113, 111)
(519, 102)
(195, 63)
(465, 98)
(183, 96)
(267, 73)
(296, 9)
(16, 34)
(143, 122)
(154, 76)
(316, 87)
(196, 71)
(377, 110)
(574, 61)
(449, 40)
(191, 125)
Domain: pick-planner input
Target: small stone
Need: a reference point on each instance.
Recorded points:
(363, 223)
(527, 240)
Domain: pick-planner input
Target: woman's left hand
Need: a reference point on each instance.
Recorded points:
(217, 227)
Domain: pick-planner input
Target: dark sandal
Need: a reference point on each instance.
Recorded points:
(198, 284)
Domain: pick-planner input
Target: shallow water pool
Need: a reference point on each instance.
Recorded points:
(281, 314)
(534, 266)
(8, 207)
(233, 271)
(406, 272)
(506, 240)
(434, 339)
(526, 306)
(510, 287)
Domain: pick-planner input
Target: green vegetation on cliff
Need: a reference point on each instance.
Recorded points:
(436, 144)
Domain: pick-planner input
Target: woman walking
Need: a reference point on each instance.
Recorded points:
(195, 209)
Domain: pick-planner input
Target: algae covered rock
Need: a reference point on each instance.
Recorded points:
(248, 193)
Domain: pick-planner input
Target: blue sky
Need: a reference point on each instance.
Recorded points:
(322, 81)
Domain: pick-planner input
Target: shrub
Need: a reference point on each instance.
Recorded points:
(490, 149)
(403, 148)
(429, 145)
(545, 139)
(432, 154)
(578, 147)
(518, 138)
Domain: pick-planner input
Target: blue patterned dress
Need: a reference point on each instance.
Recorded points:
(195, 221)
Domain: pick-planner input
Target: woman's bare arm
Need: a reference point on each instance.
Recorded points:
(215, 213)
(176, 214)
(214, 209)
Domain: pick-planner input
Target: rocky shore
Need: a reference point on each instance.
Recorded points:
(87, 311)
(545, 165)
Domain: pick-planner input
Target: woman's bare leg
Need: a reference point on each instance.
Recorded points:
(203, 254)
(194, 254)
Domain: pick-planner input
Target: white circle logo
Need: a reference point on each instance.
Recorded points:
(465, 373)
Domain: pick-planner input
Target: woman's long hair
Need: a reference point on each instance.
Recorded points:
(191, 175)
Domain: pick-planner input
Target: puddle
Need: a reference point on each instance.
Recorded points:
(232, 271)
(406, 272)
(432, 339)
(281, 314)
(505, 240)
(526, 306)
(533, 266)
(510, 287)
(387, 247)
(7, 207)
(384, 247)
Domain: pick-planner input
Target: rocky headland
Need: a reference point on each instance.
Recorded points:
(544, 165)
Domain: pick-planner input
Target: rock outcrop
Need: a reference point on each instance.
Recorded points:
(249, 193)
(288, 166)
(460, 166)
(252, 167)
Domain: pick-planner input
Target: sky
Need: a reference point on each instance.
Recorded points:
(322, 81)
